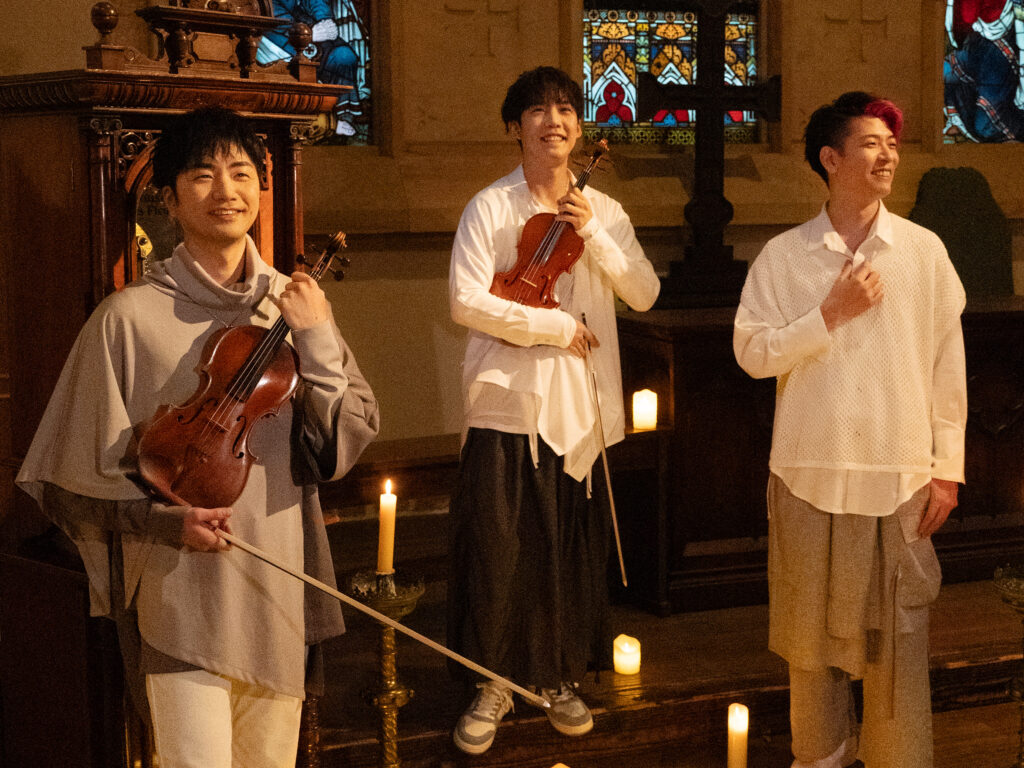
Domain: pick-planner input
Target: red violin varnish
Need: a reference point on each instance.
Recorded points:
(197, 453)
(546, 249)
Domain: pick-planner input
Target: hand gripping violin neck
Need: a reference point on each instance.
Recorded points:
(197, 453)
(546, 249)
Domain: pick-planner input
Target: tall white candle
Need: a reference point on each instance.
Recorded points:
(739, 721)
(386, 535)
(645, 409)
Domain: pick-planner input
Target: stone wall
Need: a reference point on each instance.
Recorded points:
(441, 70)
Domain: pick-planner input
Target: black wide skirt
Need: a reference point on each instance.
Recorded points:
(527, 582)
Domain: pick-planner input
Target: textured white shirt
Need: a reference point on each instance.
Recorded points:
(517, 376)
(869, 413)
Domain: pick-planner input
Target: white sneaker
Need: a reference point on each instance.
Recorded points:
(475, 730)
(567, 713)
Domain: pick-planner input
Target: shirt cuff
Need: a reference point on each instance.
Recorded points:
(951, 468)
(552, 326)
(589, 229)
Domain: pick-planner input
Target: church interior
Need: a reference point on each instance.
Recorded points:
(391, 160)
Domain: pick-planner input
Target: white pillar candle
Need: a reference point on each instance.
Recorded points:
(739, 720)
(645, 409)
(626, 655)
(386, 535)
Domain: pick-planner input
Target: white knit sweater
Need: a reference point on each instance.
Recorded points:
(863, 397)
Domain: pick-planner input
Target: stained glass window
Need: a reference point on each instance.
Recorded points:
(983, 71)
(619, 43)
(341, 47)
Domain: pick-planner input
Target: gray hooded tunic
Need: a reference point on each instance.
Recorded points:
(225, 612)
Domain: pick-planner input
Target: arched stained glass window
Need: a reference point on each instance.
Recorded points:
(341, 47)
(619, 43)
(983, 71)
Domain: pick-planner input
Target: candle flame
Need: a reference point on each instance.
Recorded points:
(387, 486)
(739, 717)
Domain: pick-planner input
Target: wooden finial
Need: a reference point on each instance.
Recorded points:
(300, 36)
(104, 17)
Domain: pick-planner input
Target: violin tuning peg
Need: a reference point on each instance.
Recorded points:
(338, 274)
(345, 261)
(300, 259)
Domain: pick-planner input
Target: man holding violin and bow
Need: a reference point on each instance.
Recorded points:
(226, 645)
(530, 530)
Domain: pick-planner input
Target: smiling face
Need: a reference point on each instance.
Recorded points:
(548, 132)
(864, 166)
(216, 202)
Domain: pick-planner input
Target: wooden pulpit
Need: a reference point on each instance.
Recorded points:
(78, 218)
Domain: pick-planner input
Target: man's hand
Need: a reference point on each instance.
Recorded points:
(853, 293)
(581, 340)
(200, 529)
(941, 502)
(574, 208)
(302, 303)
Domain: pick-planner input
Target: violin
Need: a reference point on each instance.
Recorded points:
(196, 454)
(546, 249)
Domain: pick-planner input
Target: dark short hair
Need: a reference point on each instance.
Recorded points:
(830, 125)
(189, 140)
(540, 86)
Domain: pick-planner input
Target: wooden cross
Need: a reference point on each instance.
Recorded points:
(708, 276)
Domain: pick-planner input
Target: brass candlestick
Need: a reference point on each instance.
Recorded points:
(395, 599)
(1009, 581)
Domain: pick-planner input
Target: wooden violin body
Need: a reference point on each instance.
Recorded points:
(197, 452)
(547, 249)
(528, 284)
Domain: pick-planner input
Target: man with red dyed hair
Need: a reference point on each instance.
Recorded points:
(857, 314)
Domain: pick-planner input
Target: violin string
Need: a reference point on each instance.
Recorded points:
(529, 275)
(543, 254)
(244, 382)
(537, 261)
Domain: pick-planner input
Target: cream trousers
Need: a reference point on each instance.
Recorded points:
(202, 720)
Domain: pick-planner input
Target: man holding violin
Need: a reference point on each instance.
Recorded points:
(225, 645)
(530, 531)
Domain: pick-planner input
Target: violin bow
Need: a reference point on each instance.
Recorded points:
(604, 457)
(271, 560)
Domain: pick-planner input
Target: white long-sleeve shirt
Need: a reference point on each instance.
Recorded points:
(867, 414)
(517, 376)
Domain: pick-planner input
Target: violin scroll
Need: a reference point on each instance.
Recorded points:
(323, 264)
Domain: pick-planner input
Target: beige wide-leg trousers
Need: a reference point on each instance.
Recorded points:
(848, 598)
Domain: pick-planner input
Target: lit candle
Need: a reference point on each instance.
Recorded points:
(386, 537)
(645, 409)
(626, 655)
(739, 719)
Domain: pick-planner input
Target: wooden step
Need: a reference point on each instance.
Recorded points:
(694, 665)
